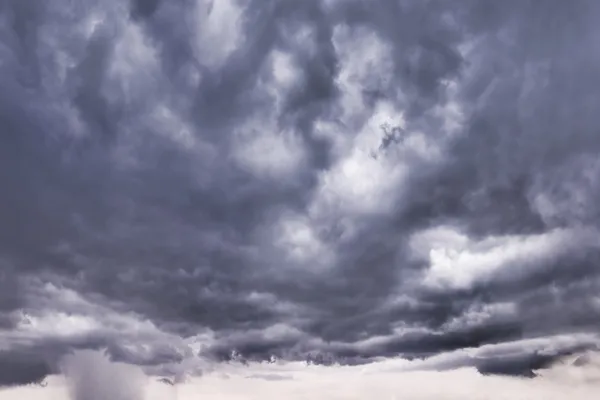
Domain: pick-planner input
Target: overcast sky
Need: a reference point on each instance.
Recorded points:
(190, 183)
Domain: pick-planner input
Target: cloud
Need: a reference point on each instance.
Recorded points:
(21, 369)
(91, 375)
(456, 262)
(333, 181)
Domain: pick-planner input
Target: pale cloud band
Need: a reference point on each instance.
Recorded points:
(92, 376)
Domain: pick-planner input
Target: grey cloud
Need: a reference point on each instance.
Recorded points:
(144, 8)
(17, 369)
(93, 375)
(517, 366)
(525, 362)
(120, 181)
(270, 377)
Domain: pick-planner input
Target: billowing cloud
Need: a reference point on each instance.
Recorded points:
(192, 182)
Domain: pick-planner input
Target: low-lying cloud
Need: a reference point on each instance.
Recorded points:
(91, 376)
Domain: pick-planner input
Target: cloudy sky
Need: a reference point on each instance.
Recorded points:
(190, 185)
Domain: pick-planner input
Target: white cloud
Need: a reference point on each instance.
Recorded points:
(358, 182)
(133, 64)
(478, 315)
(219, 31)
(91, 375)
(365, 62)
(457, 261)
(366, 179)
(283, 75)
(285, 72)
(268, 151)
(298, 236)
(348, 383)
(262, 144)
(167, 122)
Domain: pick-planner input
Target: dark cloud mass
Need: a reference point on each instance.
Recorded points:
(337, 181)
(19, 369)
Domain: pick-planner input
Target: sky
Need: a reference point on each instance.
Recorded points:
(207, 190)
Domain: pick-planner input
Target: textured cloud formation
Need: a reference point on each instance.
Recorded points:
(333, 181)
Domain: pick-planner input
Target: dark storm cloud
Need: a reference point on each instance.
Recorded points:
(126, 176)
(21, 369)
(521, 365)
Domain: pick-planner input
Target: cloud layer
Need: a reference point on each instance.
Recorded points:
(91, 376)
(338, 181)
